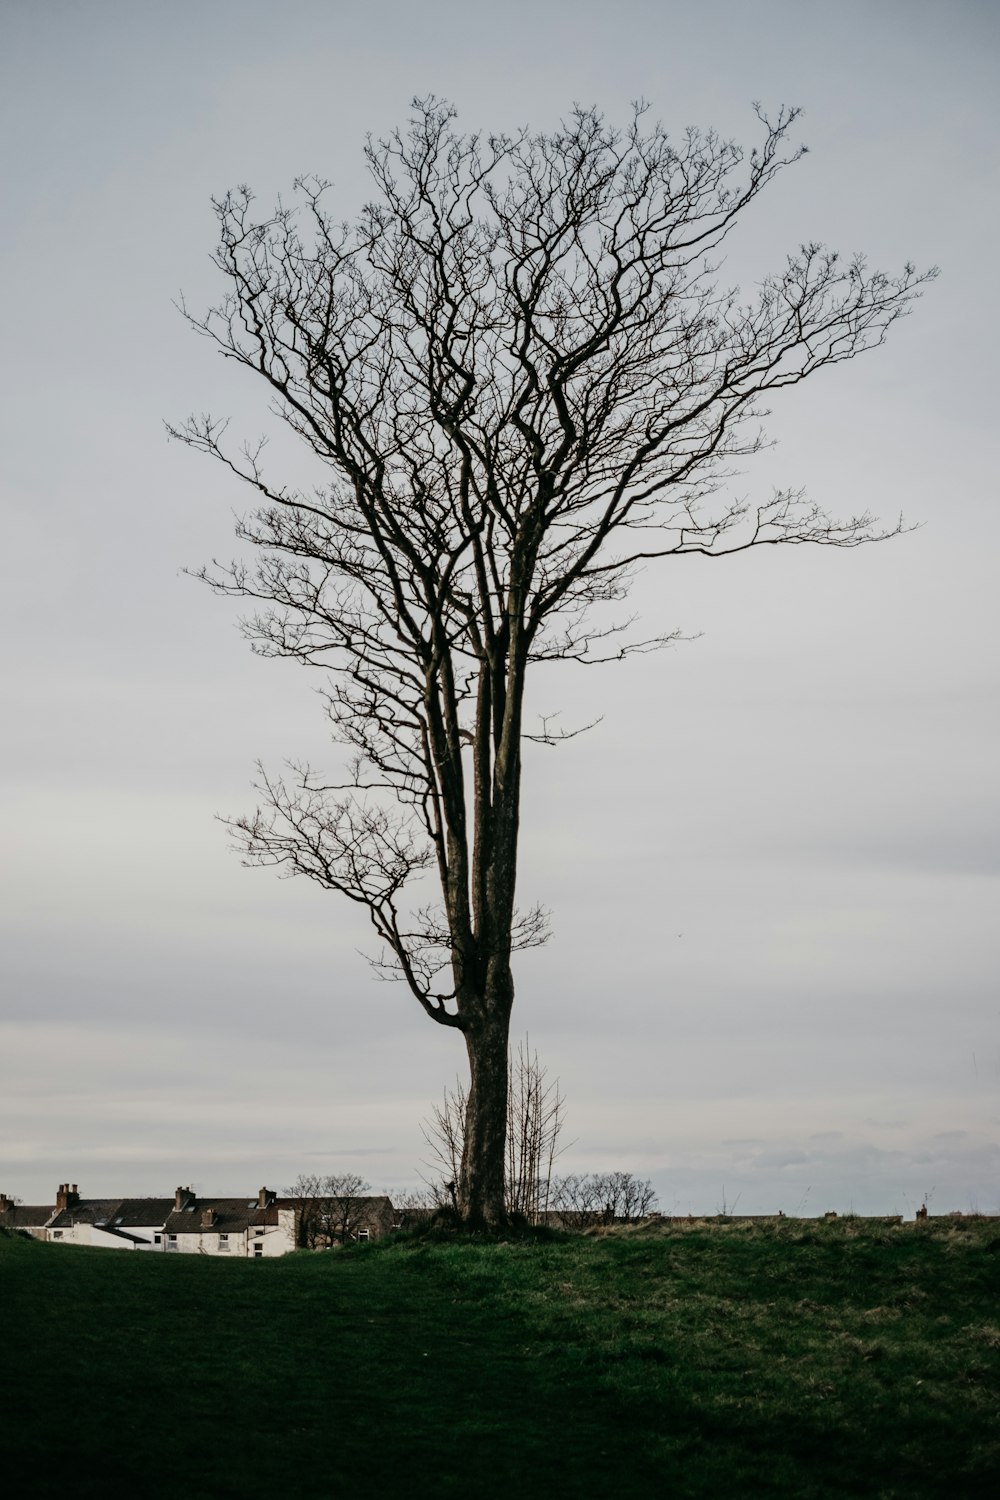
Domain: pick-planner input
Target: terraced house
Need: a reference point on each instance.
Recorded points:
(186, 1224)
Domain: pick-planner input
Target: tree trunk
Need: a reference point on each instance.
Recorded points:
(481, 1184)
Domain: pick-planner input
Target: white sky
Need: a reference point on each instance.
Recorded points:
(773, 868)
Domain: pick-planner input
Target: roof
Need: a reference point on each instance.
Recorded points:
(408, 1217)
(97, 1211)
(142, 1213)
(231, 1216)
(358, 1204)
(27, 1215)
(115, 1213)
(268, 1215)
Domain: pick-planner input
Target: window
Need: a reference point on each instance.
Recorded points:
(223, 1244)
(258, 1250)
(364, 1234)
(171, 1242)
(57, 1234)
(157, 1239)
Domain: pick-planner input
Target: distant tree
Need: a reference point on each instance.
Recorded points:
(331, 1209)
(603, 1197)
(408, 1200)
(576, 1195)
(522, 380)
(627, 1197)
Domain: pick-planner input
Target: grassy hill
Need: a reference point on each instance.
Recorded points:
(800, 1359)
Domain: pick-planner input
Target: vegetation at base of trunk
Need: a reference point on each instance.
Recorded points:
(521, 380)
(803, 1359)
(535, 1119)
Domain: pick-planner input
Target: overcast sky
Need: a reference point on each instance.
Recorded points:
(773, 867)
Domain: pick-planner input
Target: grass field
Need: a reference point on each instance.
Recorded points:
(803, 1359)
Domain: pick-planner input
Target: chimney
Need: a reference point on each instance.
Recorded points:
(265, 1198)
(67, 1197)
(207, 1218)
(182, 1196)
(6, 1204)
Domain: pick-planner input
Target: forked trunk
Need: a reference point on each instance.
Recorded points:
(481, 1199)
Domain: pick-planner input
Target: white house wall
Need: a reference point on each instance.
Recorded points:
(74, 1234)
(88, 1234)
(94, 1234)
(277, 1239)
(106, 1241)
(148, 1234)
(274, 1239)
(208, 1244)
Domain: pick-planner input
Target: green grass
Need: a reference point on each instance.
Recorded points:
(732, 1360)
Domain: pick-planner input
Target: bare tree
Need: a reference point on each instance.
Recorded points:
(625, 1197)
(521, 379)
(577, 1197)
(409, 1200)
(331, 1209)
(603, 1197)
(534, 1124)
(444, 1133)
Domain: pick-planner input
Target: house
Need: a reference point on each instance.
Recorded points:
(25, 1218)
(229, 1226)
(110, 1223)
(323, 1222)
(273, 1228)
(247, 1228)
